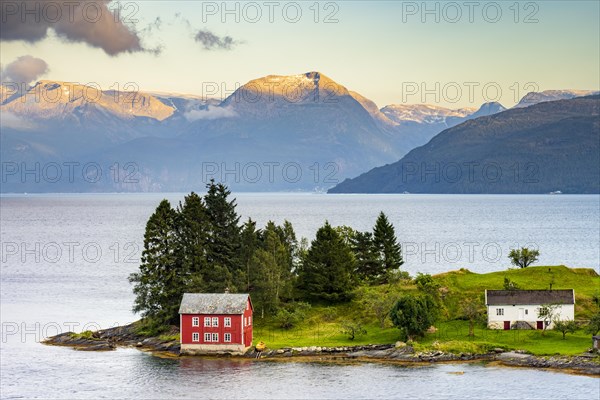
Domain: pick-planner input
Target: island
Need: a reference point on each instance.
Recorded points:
(344, 297)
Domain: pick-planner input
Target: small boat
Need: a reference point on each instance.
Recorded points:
(261, 346)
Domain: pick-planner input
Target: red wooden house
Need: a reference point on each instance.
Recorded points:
(215, 322)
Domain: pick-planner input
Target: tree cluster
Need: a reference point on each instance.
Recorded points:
(200, 246)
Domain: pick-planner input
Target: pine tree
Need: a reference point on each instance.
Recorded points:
(159, 281)
(192, 227)
(224, 240)
(387, 246)
(368, 267)
(250, 242)
(326, 270)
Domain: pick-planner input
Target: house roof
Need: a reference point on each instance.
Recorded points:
(213, 303)
(514, 297)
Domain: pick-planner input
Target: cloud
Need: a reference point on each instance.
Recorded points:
(209, 113)
(24, 70)
(90, 22)
(13, 121)
(210, 41)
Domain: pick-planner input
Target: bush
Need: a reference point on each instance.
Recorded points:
(291, 314)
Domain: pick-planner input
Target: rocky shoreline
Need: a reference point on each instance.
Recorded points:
(126, 336)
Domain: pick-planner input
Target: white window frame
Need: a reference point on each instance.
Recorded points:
(206, 322)
(215, 337)
(215, 322)
(227, 337)
(195, 321)
(195, 337)
(227, 322)
(207, 337)
(499, 311)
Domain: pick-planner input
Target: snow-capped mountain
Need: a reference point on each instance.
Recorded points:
(532, 98)
(423, 113)
(308, 119)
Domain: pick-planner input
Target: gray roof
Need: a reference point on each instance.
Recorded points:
(213, 303)
(514, 297)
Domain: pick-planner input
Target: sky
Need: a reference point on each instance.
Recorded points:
(452, 54)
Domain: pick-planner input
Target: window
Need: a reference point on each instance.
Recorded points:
(245, 321)
(207, 337)
(250, 320)
(227, 322)
(499, 311)
(526, 312)
(195, 321)
(195, 337)
(215, 337)
(215, 321)
(228, 337)
(206, 321)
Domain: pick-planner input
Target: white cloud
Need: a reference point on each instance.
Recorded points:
(13, 121)
(24, 70)
(211, 112)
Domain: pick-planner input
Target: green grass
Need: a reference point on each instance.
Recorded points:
(169, 338)
(463, 283)
(88, 335)
(452, 337)
(322, 325)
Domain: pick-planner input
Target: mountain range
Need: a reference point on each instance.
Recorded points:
(547, 147)
(296, 132)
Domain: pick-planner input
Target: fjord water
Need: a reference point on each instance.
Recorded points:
(66, 258)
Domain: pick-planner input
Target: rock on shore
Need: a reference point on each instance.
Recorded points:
(111, 338)
(126, 336)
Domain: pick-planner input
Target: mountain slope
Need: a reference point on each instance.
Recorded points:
(546, 147)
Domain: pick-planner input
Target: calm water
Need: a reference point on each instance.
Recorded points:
(65, 260)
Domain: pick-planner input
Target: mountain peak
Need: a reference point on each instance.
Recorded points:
(288, 89)
(490, 108)
(532, 98)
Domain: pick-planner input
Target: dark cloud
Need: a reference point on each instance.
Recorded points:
(210, 41)
(24, 70)
(90, 22)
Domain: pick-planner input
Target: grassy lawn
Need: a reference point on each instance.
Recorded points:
(322, 325)
(453, 337)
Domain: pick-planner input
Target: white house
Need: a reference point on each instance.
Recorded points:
(514, 309)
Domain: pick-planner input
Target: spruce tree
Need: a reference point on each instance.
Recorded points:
(157, 285)
(368, 267)
(250, 242)
(327, 266)
(224, 240)
(192, 239)
(388, 249)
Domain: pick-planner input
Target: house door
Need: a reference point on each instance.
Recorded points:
(540, 324)
(521, 314)
(507, 325)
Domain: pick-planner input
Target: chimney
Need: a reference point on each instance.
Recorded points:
(226, 290)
